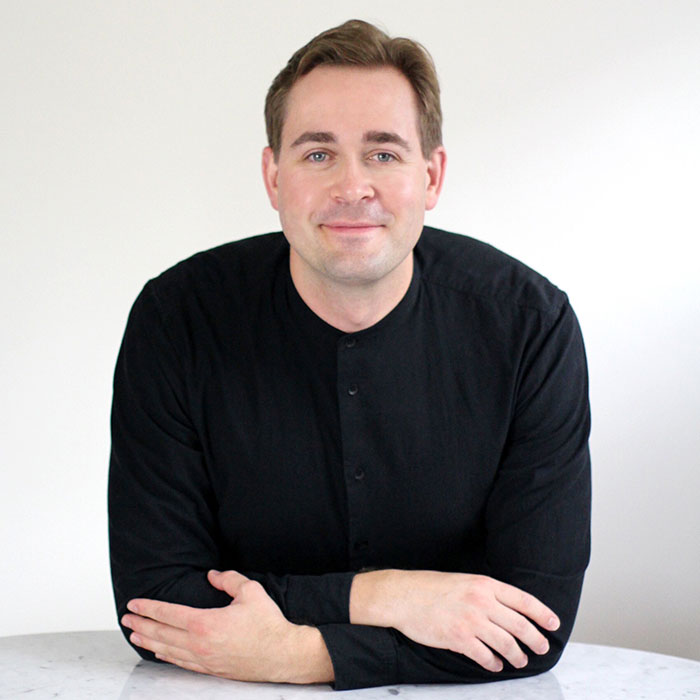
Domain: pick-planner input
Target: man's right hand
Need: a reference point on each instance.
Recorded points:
(470, 614)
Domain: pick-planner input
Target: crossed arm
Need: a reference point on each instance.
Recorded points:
(404, 626)
(251, 640)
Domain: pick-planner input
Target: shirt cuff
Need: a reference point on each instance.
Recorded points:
(319, 599)
(362, 656)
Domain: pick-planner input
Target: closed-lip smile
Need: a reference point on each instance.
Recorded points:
(349, 225)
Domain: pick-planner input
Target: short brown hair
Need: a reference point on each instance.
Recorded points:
(358, 43)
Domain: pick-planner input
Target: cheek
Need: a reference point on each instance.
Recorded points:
(298, 196)
(407, 191)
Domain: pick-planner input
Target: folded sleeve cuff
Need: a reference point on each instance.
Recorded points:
(319, 599)
(362, 656)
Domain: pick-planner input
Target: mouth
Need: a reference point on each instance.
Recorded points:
(351, 227)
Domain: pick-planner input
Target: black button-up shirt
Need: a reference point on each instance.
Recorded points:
(249, 434)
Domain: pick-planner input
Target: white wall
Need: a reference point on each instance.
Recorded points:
(130, 137)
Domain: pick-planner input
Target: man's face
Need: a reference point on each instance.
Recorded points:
(351, 184)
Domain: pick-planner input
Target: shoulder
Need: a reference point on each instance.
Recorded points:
(235, 271)
(239, 261)
(473, 269)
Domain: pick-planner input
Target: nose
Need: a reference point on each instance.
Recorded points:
(352, 182)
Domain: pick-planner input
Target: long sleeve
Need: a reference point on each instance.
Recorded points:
(539, 511)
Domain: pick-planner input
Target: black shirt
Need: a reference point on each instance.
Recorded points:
(249, 434)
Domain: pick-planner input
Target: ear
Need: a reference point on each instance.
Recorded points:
(270, 170)
(435, 176)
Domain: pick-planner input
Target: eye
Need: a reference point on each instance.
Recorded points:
(385, 157)
(317, 157)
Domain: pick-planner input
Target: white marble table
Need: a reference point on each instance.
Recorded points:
(79, 665)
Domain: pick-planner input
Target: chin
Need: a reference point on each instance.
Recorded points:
(359, 273)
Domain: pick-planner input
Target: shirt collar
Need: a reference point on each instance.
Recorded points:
(314, 326)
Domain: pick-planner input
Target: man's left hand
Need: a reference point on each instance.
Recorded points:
(248, 640)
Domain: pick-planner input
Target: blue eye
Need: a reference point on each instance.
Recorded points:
(384, 157)
(317, 157)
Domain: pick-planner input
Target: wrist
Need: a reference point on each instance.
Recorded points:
(307, 657)
(375, 598)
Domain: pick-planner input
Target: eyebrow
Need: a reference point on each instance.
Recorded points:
(368, 137)
(315, 137)
(386, 137)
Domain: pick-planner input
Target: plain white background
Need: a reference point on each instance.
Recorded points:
(130, 137)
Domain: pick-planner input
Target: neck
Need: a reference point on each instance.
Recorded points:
(352, 307)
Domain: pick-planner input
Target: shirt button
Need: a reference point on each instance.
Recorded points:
(359, 474)
(350, 342)
(352, 389)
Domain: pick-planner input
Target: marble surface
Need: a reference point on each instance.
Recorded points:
(81, 665)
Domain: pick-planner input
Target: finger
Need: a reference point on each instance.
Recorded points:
(189, 665)
(527, 605)
(159, 648)
(227, 581)
(157, 631)
(169, 613)
(521, 628)
(476, 650)
(504, 643)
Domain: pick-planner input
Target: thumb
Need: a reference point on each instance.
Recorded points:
(227, 581)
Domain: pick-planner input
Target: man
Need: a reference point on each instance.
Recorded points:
(355, 452)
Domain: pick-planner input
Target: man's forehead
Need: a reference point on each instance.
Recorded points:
(377, 104)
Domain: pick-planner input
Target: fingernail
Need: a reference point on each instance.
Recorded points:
(125, 622)
(522, 663)
(497, 667)
(131, 605)
(135, 639)
(544, 648)
(553, 623)
(214, 571)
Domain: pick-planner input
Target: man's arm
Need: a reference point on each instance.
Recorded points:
(466, 613)
(247, 640)
(251, 640)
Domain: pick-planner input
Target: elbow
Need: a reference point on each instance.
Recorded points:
(121, 611)
(143, 653)
(541, 663)
(536, 663)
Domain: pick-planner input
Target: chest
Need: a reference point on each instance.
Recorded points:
(376, 451)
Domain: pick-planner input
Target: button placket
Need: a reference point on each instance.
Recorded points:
(350, 377)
